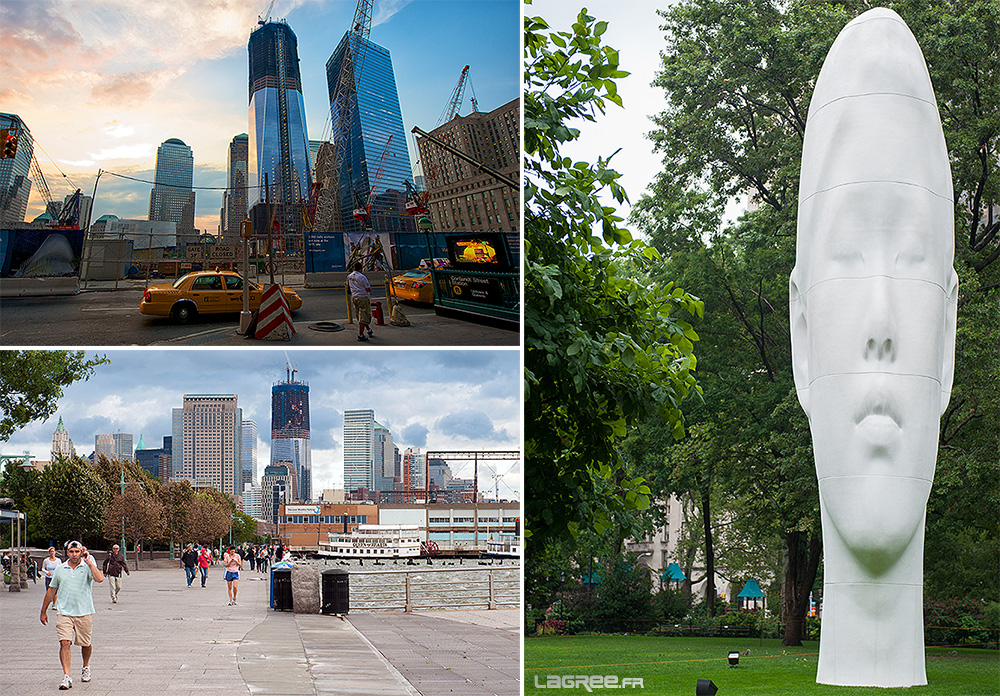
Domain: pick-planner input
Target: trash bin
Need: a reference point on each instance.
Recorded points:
(336, 587)
(281, 589)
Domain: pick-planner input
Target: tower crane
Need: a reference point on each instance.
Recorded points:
(363, 212)
(451, 109)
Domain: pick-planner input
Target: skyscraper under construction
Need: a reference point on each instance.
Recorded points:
(278, 155)
(290, 430)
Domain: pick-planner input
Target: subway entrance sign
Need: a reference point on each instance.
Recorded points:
(481, 280)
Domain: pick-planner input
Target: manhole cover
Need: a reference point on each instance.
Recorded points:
(326, 326)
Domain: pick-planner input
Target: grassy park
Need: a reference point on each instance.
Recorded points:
(673, 666)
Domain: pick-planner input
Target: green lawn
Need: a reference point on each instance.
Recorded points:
(674, 665)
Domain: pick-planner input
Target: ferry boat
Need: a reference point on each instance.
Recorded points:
(507, 545)
(374, 541)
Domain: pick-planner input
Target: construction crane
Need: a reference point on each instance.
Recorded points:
(340, 111)
(363, 211)
(262, 18)
(465, 158)
(416, 201)
(457, 94)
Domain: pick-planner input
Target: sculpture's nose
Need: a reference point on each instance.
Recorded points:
(880, 338)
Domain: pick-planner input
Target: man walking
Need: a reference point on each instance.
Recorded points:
(114, 564)
(74, 582)
(361, 292)
(190, 560)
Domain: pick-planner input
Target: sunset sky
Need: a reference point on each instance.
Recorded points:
(101, 84)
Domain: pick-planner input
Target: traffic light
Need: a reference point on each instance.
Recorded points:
(9, 145)
(247, 229)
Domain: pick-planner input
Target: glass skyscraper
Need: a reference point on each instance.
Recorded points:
(234, 201)
(172, 197)
(359, 449)
(15, 185)
(278, 144)
(290, 431)
(373, 114)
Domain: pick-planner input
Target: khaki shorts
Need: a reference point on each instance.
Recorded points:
(82, 626)
(363, 308)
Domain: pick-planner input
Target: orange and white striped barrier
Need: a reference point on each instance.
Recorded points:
(274, 319)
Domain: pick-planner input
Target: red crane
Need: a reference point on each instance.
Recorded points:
(451, 110)
(363, 213)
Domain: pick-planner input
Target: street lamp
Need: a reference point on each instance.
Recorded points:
(123, 483)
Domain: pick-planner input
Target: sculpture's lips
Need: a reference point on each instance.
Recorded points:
(878, 407)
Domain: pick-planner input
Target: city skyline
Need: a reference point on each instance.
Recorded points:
(129, 94)
(433, 399)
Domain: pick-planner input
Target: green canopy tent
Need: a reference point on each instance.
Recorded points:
(673, 573)
(750, 591)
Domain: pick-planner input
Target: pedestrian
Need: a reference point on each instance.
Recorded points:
(49, 565)
(264, 560)
(233, 564)
(114, 564)
(190, 559)
(361, 292)
(74, 582)
(204, 560)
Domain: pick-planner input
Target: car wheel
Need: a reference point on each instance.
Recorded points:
(183, 313)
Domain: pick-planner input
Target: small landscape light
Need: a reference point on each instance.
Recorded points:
(734, 658)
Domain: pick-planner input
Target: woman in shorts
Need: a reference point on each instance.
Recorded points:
(234, 564)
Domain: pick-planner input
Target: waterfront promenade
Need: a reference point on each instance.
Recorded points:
(164, 637)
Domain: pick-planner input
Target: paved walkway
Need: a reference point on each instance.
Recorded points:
(164, 637)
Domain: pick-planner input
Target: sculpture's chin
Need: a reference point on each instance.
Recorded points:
(875, 517)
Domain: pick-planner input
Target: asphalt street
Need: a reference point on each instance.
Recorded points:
(112, 317)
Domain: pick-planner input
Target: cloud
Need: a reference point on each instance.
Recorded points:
(470, 424)
(118, 130)
(140, 151)
(414, 435)
(385, 10)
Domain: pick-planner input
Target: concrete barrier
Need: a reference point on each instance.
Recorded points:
(39, 287)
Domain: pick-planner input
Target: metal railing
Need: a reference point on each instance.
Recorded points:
(434, 588)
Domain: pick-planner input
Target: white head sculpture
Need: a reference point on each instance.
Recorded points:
(873, 310)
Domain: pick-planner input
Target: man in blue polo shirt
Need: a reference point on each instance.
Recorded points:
(73, 581)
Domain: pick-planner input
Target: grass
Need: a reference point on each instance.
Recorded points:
(673, 666)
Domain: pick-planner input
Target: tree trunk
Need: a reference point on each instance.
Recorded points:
(800, 560)
(709, 554)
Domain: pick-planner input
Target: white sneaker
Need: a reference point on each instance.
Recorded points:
(67, 682)
(85, 677)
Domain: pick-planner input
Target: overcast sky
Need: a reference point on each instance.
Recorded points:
(634, 29)
(102, 83)
(432, 399)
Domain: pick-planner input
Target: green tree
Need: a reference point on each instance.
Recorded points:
(175, 496)
(72, 501)
(32, 381)
(133, 514)
(601, 348)
(24, 488)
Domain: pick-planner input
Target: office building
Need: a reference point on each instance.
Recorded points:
(208, 438)
(172, 197)
(413, 469)
(234, 206)
(290, 430)
(62, 445)
(113, 446)
(385, 458)
(15, 183)
(253, 503)
(359, 447)
(463, 200)
(248, 453)
(369, 122)
(278, 149)
(276, 489)
(149, 459)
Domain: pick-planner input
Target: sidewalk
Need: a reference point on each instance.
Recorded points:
(164, 637)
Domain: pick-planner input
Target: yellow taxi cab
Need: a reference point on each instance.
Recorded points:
(414, 285)
(205, 292)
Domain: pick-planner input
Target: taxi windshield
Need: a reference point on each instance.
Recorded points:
(177, 283)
